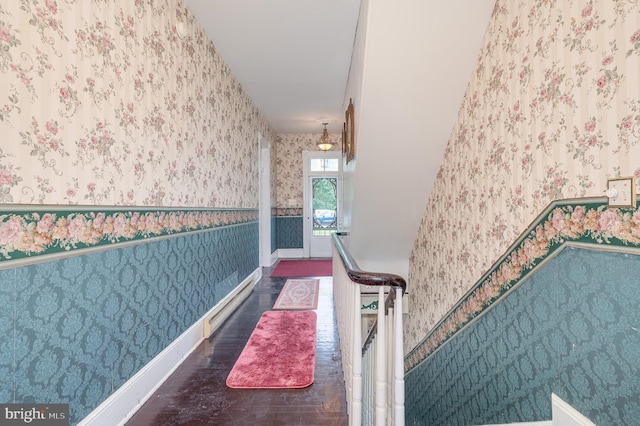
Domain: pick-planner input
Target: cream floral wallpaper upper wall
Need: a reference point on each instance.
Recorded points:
(552, 110)
(102, 102)
(289, 167)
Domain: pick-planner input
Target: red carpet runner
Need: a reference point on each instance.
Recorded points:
(303, 268)
(281, 353)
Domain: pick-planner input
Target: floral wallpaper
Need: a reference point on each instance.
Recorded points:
(289, 167)
(551, 111)
(103, 103)
(55, 231)
(592, 224)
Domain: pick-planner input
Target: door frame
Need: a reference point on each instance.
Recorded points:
(264, 201)
(306, 196)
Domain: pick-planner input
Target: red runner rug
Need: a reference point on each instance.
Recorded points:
(303, 268)
(281, 353)
(298, 294)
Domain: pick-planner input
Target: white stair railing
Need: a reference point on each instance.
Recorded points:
(374, 366)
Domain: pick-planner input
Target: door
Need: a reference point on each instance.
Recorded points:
(324, 214)
(322, 201)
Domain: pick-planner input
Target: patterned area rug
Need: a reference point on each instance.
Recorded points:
(298, 295)
(281, 353)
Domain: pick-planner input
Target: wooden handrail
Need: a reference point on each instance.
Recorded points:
(359, 276)
(378, 279)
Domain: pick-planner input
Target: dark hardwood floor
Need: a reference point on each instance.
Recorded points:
(196, 393)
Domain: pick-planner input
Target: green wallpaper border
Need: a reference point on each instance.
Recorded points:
(287, 211)
(586, 221)
(31, 232)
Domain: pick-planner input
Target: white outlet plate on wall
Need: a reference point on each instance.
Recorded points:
(621, 192)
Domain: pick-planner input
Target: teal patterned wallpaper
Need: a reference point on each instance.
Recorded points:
(73, 330)
(289, 232)
(572, 328)
(274, 233)
(573, 221)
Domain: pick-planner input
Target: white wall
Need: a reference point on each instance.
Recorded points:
(354, 92)
(408, 77)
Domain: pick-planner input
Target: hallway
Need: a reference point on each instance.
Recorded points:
(196, 393)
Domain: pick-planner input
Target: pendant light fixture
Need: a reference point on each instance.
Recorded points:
(325, 143)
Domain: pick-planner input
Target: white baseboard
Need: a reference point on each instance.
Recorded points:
(542, 423)
(564, 414)
(290, 253)
(125, 401)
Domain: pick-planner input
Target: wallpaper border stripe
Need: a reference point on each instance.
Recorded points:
(30, 234)
(287, 211)
(584, 222)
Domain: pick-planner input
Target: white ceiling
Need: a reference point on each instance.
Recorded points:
(291, 57)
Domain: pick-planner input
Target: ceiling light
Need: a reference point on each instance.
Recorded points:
(325, 143)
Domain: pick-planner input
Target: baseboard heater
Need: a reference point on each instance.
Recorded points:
(226, 306)
(125, 401)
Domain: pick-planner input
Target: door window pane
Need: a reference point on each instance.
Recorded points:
(325, 205)
(324, 164)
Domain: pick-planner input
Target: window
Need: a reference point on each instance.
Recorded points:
(324, 165)
(325, 204)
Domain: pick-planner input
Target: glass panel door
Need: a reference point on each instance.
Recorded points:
(322, 201)
(324, 214)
